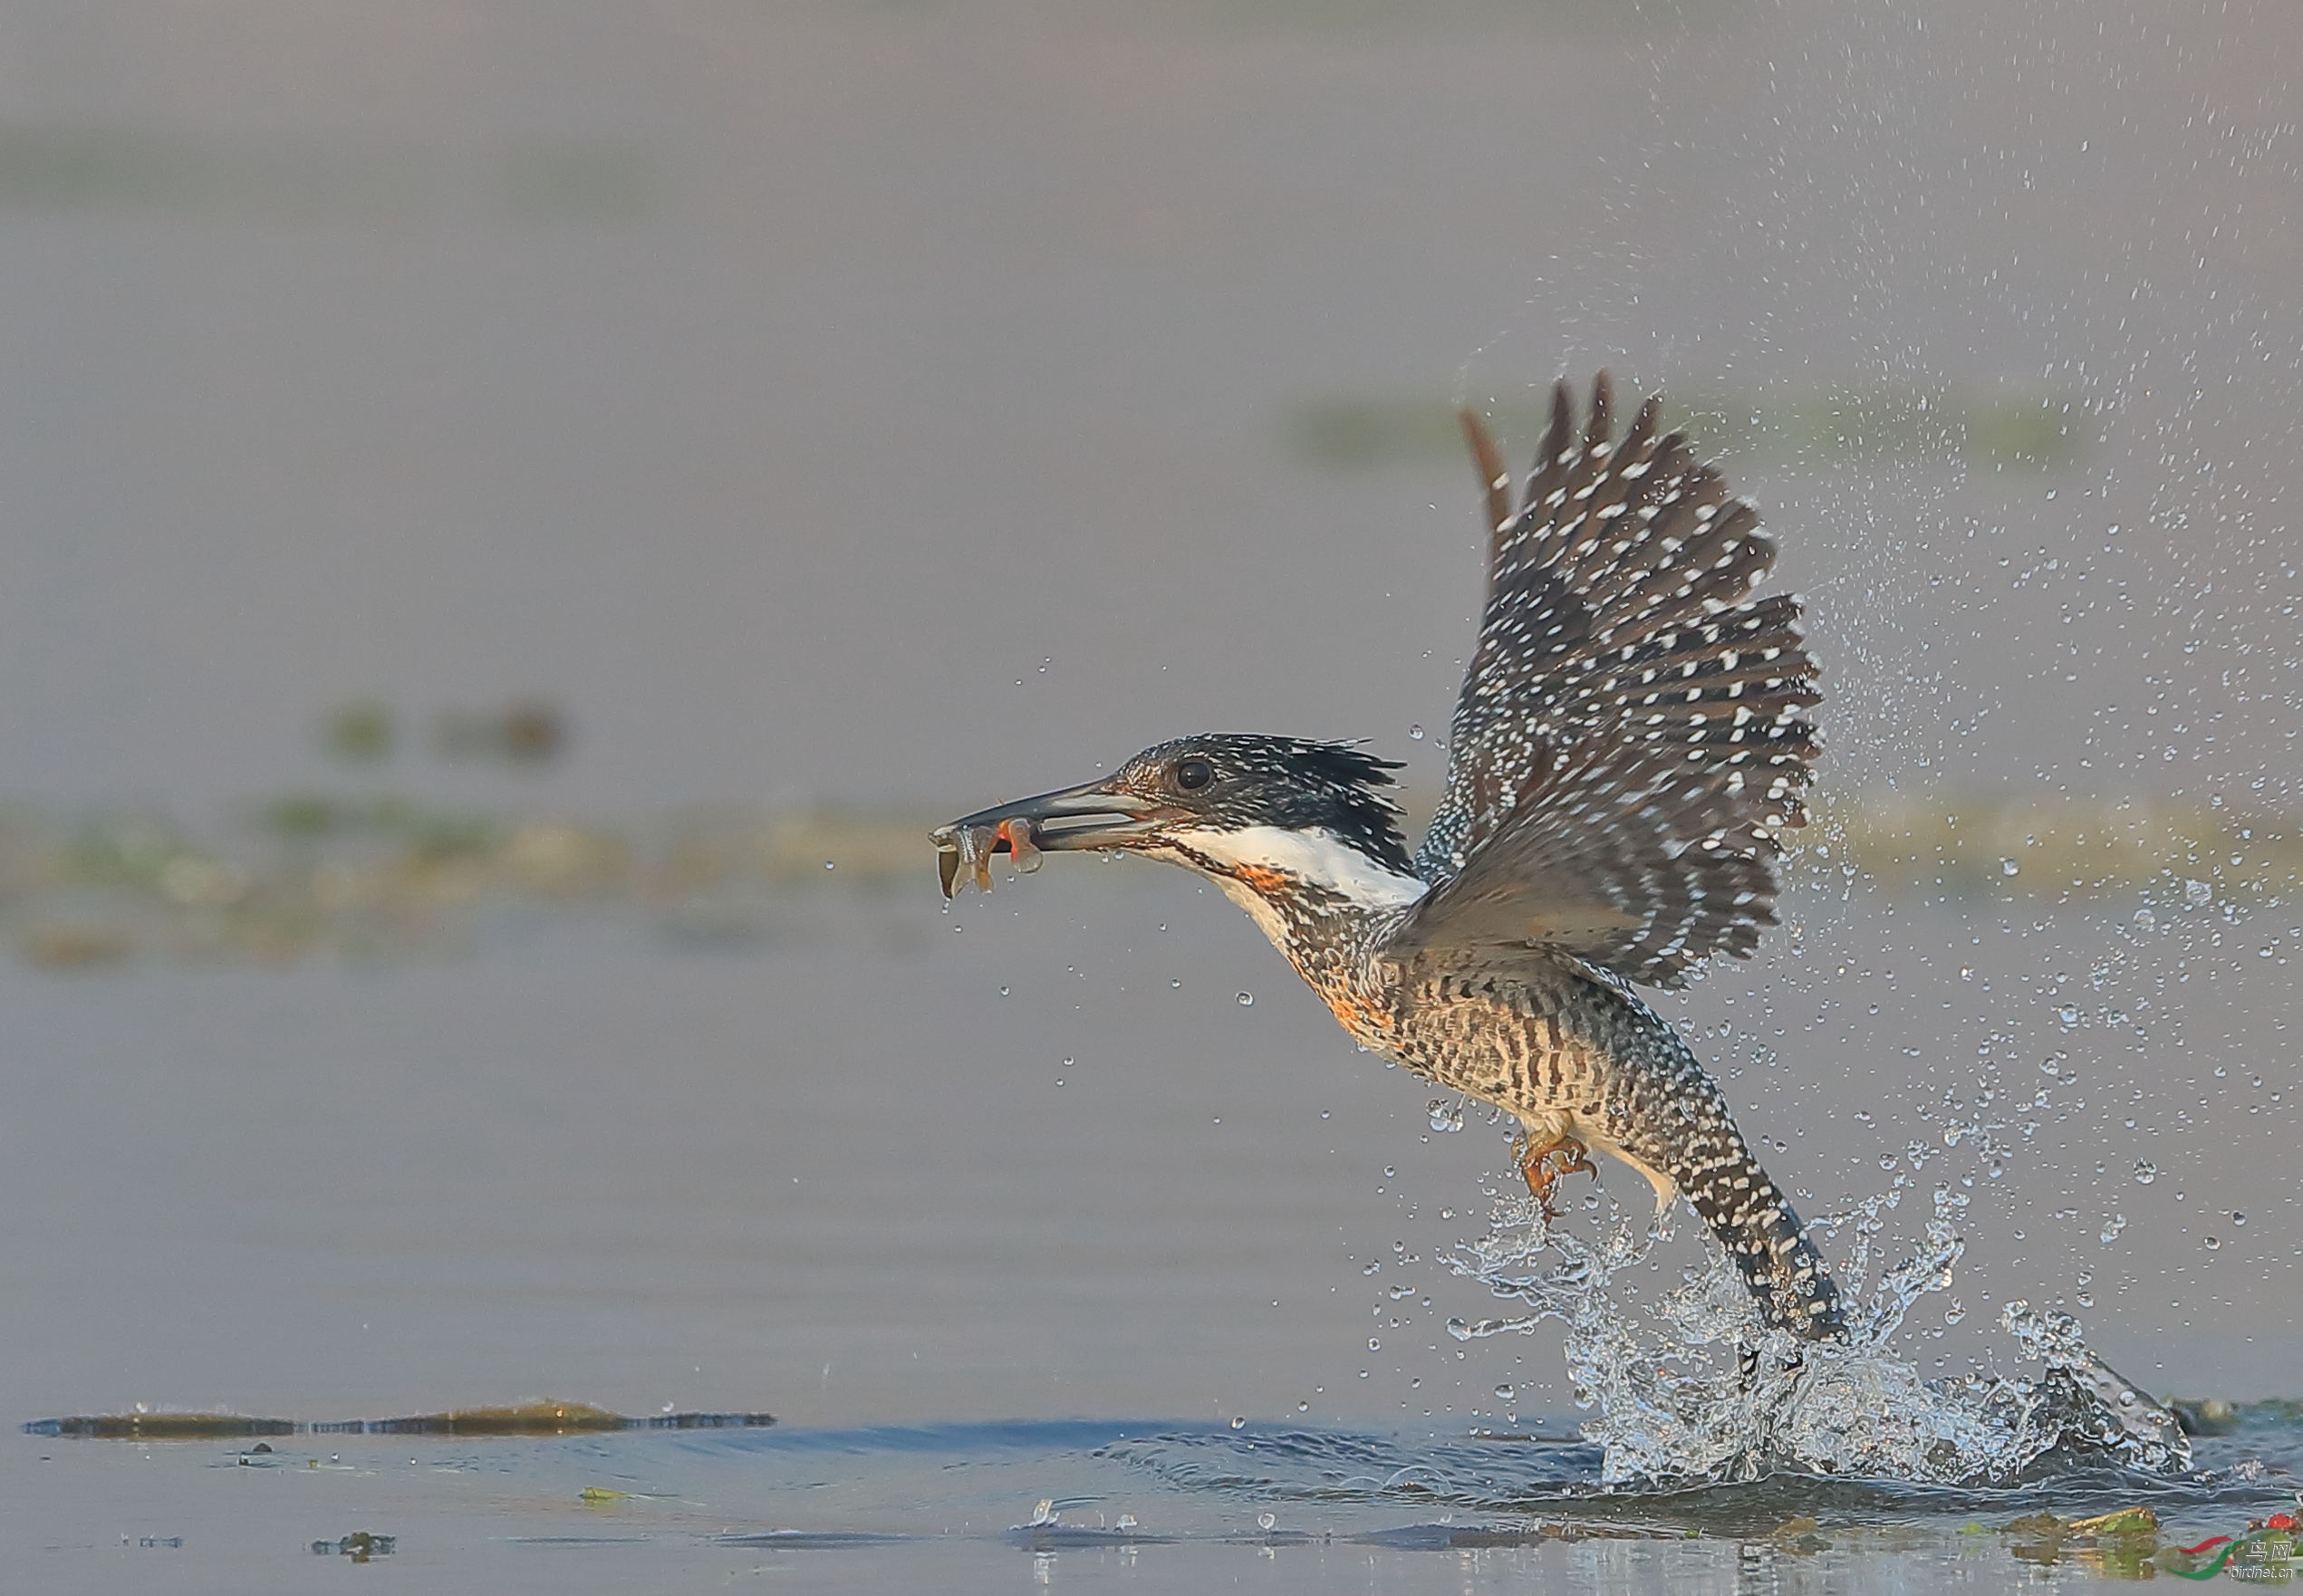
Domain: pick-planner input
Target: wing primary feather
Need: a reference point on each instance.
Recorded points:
(1551, 463)
(1495, 479)
(1631, 740)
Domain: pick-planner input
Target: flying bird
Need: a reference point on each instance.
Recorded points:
(1630, 746)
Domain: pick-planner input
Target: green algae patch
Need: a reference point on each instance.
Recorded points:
(2119, 1544)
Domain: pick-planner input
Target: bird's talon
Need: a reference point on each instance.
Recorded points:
(1542, 1166)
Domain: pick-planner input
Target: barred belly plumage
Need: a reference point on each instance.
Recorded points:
(1578, 1059)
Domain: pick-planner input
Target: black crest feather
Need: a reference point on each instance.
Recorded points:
(1298, 783)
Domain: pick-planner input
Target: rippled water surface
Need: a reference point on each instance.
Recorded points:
(1003, 1506)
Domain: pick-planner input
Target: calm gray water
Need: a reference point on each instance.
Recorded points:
(848, 1179)
(910, 405)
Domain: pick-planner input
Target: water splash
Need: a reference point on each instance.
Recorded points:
(1699, 1391)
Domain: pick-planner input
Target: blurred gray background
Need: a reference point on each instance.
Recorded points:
(903, 406)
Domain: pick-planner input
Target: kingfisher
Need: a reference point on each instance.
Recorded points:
(1630, 746)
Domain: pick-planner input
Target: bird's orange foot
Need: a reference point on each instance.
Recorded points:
(1543, 1164)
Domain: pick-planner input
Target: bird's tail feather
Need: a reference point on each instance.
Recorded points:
(1755, 1222)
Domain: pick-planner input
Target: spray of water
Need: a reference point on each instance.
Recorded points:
(1696, 1389)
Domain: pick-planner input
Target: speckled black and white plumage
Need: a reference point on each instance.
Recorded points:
(1629, 743)
(1628, 748)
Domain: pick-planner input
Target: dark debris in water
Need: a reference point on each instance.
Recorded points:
(360, 1546)
(532, 1418)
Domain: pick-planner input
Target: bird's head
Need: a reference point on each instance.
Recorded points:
(1269, 814)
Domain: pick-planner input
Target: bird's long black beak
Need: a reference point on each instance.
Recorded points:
(1095, 815)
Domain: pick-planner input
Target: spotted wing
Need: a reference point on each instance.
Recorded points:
(1629, 745)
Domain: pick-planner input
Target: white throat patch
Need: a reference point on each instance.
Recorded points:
(1318, 858)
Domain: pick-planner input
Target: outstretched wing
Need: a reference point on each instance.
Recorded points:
(1629, 745)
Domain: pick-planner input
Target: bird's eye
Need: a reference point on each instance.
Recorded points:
(1193, 773)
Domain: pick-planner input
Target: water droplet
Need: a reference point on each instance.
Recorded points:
(1247, 999)
(1303, 1407)
(1176, 986)
(1127, 1521)
(2198, 893)
(2112, 1226)
(2084, 1299)
(1966, 972)
(2008, 867)
(2239, 1218)
(1373, 1344)
(2069, 1017)
(1460, 1328)
(1446, 1114)
(1002, 992)
(1239, 1422)
(2212, 1245)
(1265, 1520)
(1450, 1214)
(1415, 734)
(2145, 1171)
(1954, 1313)
(1504, 1393)
(2053, 1063)
(1045, 1511)
(1390, 1173)
(2145, 920)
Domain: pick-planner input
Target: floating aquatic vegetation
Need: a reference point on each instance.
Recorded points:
(529, 733)
(1964, 847)
(1984, 430)
(380, 876)
(133, 169)
(527, 1418)
(358, 734)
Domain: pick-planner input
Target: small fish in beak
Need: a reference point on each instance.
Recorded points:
(1099, 814)
(1021, 849)
(964, 852)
